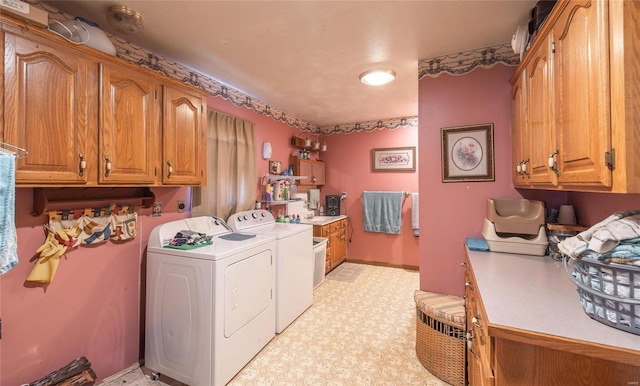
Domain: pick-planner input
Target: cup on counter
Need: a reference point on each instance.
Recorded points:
(566, 215)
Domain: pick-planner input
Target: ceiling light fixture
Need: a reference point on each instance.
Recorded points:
(124, 19)
(377, 77)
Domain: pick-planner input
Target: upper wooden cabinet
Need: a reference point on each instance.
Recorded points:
(90, 119)
(46, 98)
(183, 137)
(541, 138)
(312, 170)
(128, 127)
(579, 121)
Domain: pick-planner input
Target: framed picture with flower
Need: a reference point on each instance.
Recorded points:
(467, 153)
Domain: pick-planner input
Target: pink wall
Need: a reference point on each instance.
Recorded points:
(92, 307)
(348, 161)
(454, 211)
(591, 208)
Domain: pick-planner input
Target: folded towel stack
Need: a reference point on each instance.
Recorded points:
(614, 239)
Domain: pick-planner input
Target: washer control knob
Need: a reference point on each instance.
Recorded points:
(254, 215)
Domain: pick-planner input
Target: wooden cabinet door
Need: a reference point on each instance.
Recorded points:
(339, 245)
(305, 169)
(129, 137)
(319, 172)
(582, 94)
(184, 122)
(46, 95)
(519, 130)
(540, 124)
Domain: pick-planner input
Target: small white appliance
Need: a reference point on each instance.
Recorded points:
(210, 309)
(81, 32)
(294, 261)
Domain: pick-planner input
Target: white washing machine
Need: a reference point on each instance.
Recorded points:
(294, 261)
(209, 310)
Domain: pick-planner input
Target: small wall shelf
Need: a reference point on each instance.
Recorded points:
(277, 177)
(46, 199)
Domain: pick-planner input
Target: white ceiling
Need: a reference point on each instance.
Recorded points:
(304, 57)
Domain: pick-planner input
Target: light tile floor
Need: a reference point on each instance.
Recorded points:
(360, 333)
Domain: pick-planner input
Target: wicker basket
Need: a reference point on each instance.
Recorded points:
(609, 292)
(441, 343)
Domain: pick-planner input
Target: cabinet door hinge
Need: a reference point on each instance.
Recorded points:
(553, 47)
(610, 159)
(155, 171)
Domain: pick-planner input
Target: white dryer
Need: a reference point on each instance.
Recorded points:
(210, 309)
(294, 261)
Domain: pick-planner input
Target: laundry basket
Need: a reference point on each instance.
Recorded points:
(440, 335)
(609, 292)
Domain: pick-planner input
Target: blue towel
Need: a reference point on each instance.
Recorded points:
(477, 244)
(382, 211)
(8, 240)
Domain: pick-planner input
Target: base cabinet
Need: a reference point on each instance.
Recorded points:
(336, 233)
(504, 356)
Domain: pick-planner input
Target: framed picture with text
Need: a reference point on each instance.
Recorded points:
(393, 159)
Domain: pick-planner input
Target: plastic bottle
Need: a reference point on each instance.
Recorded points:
(321, 211)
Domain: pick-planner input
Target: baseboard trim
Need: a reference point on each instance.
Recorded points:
(382, 264)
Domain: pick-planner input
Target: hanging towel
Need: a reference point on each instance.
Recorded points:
(8, 238)
(382, 211)
(314, 198)
(415, 214)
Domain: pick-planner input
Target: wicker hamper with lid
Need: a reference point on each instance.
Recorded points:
(440, 335)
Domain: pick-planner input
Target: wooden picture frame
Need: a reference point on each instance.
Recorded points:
(275, 167)
(467, 153)
(393, 159)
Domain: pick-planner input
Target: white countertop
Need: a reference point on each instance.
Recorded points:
(321, 220)
(533, 293)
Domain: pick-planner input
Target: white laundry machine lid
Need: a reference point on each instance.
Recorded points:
(225, 242)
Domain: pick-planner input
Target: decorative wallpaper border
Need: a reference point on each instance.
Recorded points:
(467, 61)
(457, 64)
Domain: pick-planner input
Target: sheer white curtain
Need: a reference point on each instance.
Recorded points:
(231, 168)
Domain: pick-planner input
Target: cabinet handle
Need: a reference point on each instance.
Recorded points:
(553, 165)
(470, 338)
(83, 164)
(107, 167)
(169, 169)
(474, 321)
(463, 264)
(468, 285)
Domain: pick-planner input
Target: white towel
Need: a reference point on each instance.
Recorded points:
(8, 238)
(415, 214)
(314, 198)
